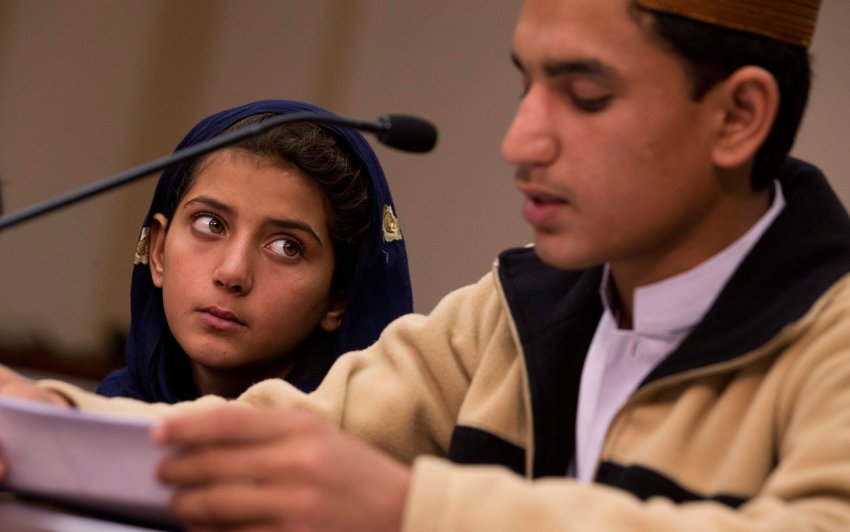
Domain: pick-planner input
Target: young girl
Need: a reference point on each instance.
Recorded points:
(266, 259)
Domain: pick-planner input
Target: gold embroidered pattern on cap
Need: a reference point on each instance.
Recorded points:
(143, 248)
(789, 21)
(391, 229)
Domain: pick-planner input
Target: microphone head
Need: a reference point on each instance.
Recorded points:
(407, 133)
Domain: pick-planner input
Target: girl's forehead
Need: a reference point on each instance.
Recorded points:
(246, 173)
(238, 156)
(237, 166)
(256, 186)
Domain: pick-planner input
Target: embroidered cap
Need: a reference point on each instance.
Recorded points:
(789, 21)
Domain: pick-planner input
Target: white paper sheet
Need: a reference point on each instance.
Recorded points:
(106, 463)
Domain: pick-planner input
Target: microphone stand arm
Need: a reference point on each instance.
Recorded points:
(178, 156)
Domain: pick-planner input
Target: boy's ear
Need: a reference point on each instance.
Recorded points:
(750, 99)
(333, 317)
(159, 225)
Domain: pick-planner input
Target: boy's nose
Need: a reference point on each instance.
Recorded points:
(530, 139)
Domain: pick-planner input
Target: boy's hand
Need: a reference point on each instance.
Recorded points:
(278, 468)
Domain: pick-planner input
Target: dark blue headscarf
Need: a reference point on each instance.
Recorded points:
(158, 370)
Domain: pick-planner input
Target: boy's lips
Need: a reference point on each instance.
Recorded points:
(220, 318)
(541, 208)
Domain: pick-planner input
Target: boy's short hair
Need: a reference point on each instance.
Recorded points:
(714, 38)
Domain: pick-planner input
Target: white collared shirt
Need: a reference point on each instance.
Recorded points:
(664, 314)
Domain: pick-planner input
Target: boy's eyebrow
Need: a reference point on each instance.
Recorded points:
(283, 224)
(554, 68)
(578, 66)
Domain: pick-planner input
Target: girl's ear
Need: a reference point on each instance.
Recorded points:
(750, 97)
(159, 225)
(333, 317)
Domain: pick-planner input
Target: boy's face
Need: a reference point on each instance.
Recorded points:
(612, 154)
(245, 266)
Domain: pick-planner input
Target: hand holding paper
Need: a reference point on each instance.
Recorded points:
(14, 384)
(273, 467)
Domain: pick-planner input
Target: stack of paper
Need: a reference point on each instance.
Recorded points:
(95, 461)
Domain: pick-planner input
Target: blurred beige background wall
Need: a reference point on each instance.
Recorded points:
(89, 88)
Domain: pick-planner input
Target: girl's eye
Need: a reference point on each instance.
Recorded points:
(208, 224)
(288, 248)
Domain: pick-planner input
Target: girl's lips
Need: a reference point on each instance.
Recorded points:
(220, 319)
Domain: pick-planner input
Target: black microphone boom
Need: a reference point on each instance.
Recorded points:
(403, 132)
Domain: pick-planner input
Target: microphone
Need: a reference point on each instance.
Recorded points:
(402, 132)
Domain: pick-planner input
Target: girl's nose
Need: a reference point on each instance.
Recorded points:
(234, 272)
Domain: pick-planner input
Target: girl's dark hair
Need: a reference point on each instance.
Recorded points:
(712, 53)
(324, 158)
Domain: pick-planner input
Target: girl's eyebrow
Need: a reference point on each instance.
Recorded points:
(283, 224)
(292, 224)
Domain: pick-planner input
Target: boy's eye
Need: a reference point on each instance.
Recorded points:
(591, 104)
(288, 248)
(209, 224)
(589, 95)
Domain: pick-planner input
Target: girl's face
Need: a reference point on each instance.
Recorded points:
(245, 266)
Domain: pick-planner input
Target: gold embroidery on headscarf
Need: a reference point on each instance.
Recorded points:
(143, 248)
(391, 229)
(789, 21)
